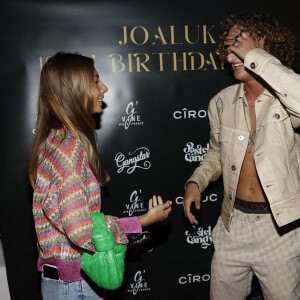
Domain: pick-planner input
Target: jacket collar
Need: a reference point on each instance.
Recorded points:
(240, 94)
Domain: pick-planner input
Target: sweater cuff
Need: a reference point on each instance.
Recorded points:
(131, 225)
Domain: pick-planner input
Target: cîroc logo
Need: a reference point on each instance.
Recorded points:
(140, 284)
(132, 117)
(136, 204)
(195, 154)
(204, 198)
(34, 129)
(189, 114)
(190, 279)
(202, 237)
(138, 159)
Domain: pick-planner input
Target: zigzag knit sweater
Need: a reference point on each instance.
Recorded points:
(65, 193)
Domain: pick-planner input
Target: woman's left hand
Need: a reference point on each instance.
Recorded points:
(158, 211)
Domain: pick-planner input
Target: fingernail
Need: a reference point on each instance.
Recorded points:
(170, 202)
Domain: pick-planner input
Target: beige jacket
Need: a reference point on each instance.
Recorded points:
(277, 146)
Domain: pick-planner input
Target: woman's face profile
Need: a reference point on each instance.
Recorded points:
(100, 90)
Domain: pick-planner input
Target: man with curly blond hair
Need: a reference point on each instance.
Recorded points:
(254, 144)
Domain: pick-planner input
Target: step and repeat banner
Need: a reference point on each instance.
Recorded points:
(160, 65)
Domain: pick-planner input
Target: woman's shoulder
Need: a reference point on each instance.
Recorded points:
(63, 139)
(63, 149)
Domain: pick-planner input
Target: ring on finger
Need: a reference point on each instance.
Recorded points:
(236, 39)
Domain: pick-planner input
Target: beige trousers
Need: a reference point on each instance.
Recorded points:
(255, 245)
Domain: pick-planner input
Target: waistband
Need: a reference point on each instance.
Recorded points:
(67, 270)
(249, 207)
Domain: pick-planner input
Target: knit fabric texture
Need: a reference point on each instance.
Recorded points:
(65, 193)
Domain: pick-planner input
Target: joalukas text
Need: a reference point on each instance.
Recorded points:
(166, 38)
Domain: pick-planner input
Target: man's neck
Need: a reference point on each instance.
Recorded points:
(253, 89)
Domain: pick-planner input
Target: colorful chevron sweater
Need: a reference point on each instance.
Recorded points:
(65, 193)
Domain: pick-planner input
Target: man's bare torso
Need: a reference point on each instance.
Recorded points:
(249, 187)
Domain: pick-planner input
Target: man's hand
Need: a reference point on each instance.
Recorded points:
(192, 194)
(240, 43)
(158, 211)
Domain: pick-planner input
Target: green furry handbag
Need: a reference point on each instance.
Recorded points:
(106, 266)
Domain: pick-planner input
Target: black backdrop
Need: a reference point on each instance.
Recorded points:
(159, 62)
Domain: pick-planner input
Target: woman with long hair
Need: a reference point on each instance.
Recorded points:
(66, 174)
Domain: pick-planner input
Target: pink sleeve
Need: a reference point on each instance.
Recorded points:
(131, 225)
(123, 226)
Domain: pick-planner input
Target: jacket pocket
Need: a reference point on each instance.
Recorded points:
(225, 143)
(278, 128)
(275, 115)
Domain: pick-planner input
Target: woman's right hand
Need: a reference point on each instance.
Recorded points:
(158, 211)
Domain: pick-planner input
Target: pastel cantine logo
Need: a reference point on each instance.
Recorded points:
(135, 204)
(137, 159)
(131, 117)
(195, 153)
(201, 237)
(139, 283)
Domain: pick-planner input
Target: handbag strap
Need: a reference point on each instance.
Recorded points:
(102, 238)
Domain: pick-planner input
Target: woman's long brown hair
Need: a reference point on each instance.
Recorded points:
(67, 96)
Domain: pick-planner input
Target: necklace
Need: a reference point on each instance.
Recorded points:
(251, 135)
(248, 104)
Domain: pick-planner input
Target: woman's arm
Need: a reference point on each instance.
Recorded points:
(67, 208)
(158, 211)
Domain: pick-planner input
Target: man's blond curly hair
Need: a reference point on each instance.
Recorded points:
(279, 41)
